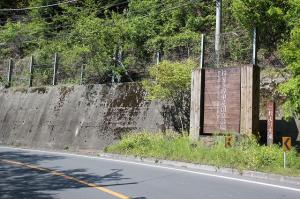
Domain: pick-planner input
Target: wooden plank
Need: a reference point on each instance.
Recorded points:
(195, 114)
(192, 111)
(256, 99)
(249, 100)
(242, 120)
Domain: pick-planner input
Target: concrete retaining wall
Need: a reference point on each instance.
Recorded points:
(92, 117)
(75, 117)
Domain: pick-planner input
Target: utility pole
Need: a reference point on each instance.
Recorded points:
(218, 30)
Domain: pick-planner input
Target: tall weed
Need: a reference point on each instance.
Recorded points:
(246, 154)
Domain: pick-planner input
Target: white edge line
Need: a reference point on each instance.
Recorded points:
(161, 167)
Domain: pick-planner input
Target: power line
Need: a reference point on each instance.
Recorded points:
(37, 7)
(113, 5)
(106, 7)
(17, 20)
(112, 23)
(100, 8)
(60, 3)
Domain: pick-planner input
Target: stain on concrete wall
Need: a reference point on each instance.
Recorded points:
(75, 117)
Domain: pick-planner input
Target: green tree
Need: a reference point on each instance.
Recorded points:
(97, 33)
(168, 25)
(266, 15)
(290, 52)
(171, 81)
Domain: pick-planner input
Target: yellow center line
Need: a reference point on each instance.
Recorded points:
(56, 173)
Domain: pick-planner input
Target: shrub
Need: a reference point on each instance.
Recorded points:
(171, 81)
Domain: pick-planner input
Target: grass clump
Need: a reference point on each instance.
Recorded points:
(247, 154)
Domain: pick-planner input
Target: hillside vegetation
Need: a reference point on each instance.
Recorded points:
(118, 40)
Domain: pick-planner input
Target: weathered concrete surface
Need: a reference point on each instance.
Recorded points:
(75, 117)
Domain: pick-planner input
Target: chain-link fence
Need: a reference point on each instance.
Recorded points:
(235, 49)
(20, 72)
(42, 72)
(131, 63)
(187, 50)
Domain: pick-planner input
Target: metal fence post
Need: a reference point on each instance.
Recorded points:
(55, 67)
(82, 74)
(254, 55)
(30, 71)
(157, 58)
(202, 51)
(10, 71)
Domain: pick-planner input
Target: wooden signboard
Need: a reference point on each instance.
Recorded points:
(222, 100)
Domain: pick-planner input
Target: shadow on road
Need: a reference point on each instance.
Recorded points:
(24, 183)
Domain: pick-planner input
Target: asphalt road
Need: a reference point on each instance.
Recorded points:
(47, 175)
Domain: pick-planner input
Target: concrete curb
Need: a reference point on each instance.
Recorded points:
(185, 165)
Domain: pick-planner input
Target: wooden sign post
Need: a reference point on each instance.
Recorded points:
(271, 122)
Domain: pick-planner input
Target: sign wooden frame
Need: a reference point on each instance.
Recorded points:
(243, 84)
